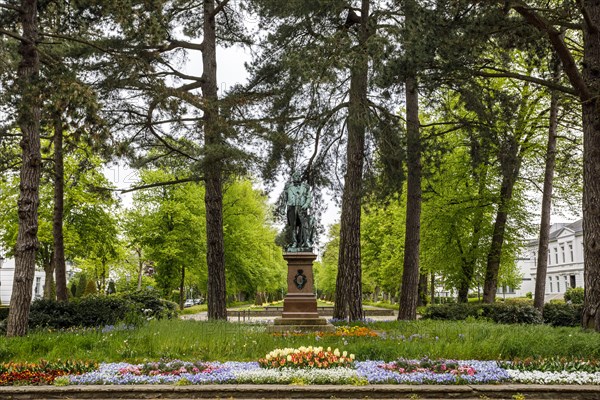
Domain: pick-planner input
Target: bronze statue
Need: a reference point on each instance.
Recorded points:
(298, 201)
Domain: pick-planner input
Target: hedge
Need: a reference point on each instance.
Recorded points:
(505, 313)
(95, 311)
(555, 314)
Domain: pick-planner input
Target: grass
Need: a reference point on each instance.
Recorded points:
(210, 341)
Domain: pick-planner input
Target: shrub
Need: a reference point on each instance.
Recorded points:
(90, 288)
(96, 311)
(515, 313)
(519, 300)
(574, 295)
(499, 312)
(557, 314)
(152, 304)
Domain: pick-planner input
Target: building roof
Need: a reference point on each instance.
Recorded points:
(575, 227)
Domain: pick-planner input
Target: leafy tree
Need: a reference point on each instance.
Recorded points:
(170, 228)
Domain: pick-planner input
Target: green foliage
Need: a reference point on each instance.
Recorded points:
(498, 312)
(81, 286)
(90, 289)
(554, 364)
(557, 314)
(98, 311)
(574, 295)
(168, 223)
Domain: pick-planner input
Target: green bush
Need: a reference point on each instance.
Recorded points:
(96, 311)
(574, 295)
(511, 313)
(152, 305)
(557, 314)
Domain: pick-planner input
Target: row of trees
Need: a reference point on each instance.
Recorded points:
(162, 236)
(326, 84)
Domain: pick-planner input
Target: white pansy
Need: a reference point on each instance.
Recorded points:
(559, 377)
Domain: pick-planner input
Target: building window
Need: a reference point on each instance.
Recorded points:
(566, 283)
(557, 284)
(551, 290)
(38, 283)
(573, 281)
(556, 254)
(571, 251)
(562, 251)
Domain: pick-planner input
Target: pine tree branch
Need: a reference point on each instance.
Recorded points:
(151, 129)
(182, 44)
(77, 40)
(587, 19)
(152, 185)
(500, 73)
(557, 41)
(219, 8)
(327, 115)
(10, 7)
(13, 35)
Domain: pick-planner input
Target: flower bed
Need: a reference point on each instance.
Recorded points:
(42, 373)
(305, 365)
(306, 357)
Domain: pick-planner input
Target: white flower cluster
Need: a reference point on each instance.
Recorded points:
(288, 351)
(293, 375)
(560, 377)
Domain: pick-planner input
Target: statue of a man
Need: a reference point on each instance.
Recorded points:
(298, 200)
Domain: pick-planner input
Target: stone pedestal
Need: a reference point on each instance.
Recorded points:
(300, 303)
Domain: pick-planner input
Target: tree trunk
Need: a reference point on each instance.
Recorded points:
(29, 115)
(510, 170)
(58, 261)
(432, 288)
(410, 276)
(470, 258)
(422, 289)
(348, 292)
(213, 197)
(49, 284)
(468, 269)
(140, 268)
(182, 288)
(542, 255)
(591, 167)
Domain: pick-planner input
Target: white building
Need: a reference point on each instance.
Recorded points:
(565, 261)
(7, 274)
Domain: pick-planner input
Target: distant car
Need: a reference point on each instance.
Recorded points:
(199, 301)
(188, 303)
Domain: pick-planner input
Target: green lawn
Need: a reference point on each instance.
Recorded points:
(193, 340)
